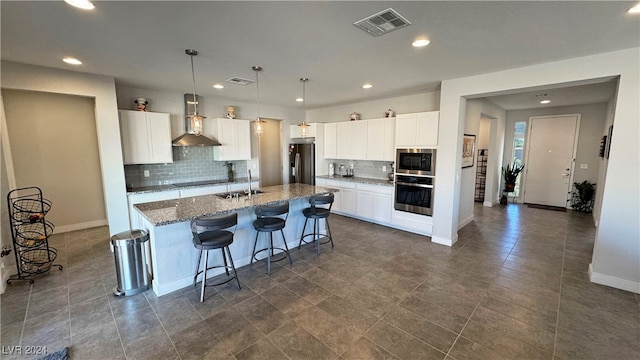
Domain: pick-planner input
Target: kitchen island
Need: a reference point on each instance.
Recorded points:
(173, 257)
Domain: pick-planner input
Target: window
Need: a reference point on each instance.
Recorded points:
(518, 150)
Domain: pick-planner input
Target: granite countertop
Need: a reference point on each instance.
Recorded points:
(187, 185)
(355, 179)
(186, 209)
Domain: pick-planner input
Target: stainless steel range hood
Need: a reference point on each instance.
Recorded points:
(190, 138)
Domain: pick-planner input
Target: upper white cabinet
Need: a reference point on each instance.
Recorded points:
(381, 139)
(351, 140)
(234, 135)
(296, 131)
(330, 140)
(417, 129)
(146, 137)
(360, 140)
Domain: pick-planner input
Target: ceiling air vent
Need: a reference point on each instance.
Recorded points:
(240, 81)
(383, 22)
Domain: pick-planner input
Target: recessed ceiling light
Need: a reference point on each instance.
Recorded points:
(218, 86)
(299, 99)
(545, 101)
(634, 10)
(367, 86)
(81, 4)
(72, 60)
(420, 43)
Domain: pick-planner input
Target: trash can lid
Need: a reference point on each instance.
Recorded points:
(140, 235)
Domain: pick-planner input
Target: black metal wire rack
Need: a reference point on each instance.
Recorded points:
(30, 232)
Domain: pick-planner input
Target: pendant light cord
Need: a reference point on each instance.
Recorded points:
(258, 97)
(193, 78)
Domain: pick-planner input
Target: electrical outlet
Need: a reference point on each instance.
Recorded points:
(384, 168)
(146, 173)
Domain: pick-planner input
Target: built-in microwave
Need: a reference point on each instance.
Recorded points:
(416, 161)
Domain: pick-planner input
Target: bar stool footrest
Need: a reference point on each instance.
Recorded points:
(327, 239)
(284, 252)
(229, 277)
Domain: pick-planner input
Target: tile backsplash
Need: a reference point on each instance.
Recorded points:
(193, 163)
(363, 168)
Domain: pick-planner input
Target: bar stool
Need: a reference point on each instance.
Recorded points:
(315, 212)
(210, 234)
(269, 219)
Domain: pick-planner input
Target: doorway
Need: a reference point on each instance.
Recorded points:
(550, 159)
(270, 153)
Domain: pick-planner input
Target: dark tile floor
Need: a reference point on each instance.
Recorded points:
(514, 286)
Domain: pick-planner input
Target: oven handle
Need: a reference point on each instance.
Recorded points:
(414, 185)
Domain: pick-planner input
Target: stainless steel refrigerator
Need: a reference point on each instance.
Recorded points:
(302, 163)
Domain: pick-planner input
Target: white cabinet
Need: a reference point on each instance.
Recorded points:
(381, 139)
(345, 199)
(417, 129)
(374, 202)
(233, 134)
(360, 140)
(330, 140)
(351, 140)
(146, 137)
(296, 131)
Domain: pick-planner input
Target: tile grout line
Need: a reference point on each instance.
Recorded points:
(26, 314)
(483, 296)
(162, 325)
(555, 336)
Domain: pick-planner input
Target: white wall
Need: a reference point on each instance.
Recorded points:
(616, 257)
(172, 102)
(375, 109)
(479, 110)
(7, 263)
(102, 89)
(603, 163)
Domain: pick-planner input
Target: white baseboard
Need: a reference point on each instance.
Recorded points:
(443, 240)
(464, 222)
(614, 282)
(489, 203)
(79, 226)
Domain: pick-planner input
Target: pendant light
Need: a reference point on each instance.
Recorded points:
(303, 125)
(258, 128)
(195, 118)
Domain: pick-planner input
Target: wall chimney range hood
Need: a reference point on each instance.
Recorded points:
(190, 137)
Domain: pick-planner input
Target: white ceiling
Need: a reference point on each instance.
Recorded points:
(141, 44)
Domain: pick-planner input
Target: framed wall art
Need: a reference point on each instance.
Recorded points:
(468, 150)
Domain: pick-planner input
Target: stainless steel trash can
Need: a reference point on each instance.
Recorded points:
(131, 264)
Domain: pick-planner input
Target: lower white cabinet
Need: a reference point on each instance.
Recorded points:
(364, 201)
(375, 202)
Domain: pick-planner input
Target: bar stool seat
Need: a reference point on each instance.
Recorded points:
(210, 234)
(317, 212)
(269, 219)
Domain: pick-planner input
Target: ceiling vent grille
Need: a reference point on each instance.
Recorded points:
(240, 81)
(383, 22)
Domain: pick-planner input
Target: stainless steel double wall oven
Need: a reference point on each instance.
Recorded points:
(415, 180)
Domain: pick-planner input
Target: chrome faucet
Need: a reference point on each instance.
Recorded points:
(249, 173)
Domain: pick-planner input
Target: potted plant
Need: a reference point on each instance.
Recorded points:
(510, 175)
(582, 196)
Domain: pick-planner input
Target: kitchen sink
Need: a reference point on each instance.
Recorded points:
(239, 194)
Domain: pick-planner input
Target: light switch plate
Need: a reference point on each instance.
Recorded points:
(584, 166)
(146, 173)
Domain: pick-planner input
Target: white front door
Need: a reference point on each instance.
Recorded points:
(550, 159)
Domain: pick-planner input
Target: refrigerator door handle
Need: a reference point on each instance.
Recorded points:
(297, 168)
